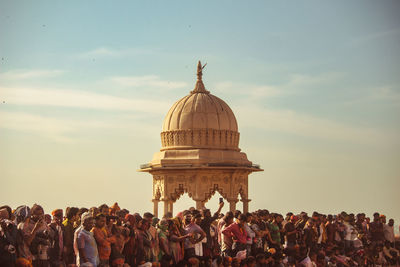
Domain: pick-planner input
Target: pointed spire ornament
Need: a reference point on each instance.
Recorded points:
(199, 87)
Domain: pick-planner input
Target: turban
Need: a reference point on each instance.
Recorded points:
(57, 212)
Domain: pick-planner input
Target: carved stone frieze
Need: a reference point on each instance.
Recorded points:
(200, 138)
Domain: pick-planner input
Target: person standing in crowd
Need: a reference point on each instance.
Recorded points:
(130, 247)
(56, 228)
(205, 224)
(238, 233)
(8, 238)
(86, 243)
(221, 222)
(291, 232)
(227, 240)
(376, 230)
(275, 230)
(162, 233)
(143, 243)
(153, 236)
(388, 231)
(35, 238)
(196, 234)
(250, 233)
(104, 239)
(330, 230)
(175, 241)
(350, 232)
(309, 235)
(69, 229)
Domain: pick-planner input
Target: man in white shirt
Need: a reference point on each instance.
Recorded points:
(388, 232)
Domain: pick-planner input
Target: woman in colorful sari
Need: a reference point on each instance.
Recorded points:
(163, 238)
(175, 241)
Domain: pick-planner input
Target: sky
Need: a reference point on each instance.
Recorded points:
(314, 85)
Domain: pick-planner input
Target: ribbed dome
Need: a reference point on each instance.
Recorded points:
(200, 111)
(200, 120)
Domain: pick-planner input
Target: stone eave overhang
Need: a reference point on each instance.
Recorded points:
(149, 168)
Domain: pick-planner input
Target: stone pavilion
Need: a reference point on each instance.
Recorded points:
(200, 153)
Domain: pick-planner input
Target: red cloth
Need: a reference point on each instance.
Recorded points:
(238, 233)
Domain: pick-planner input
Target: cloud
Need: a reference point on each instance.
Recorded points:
(298, 80)
(147, 81)
(374, 36)
(250, 90)
(54, 129)
(290, 122)
(296, 83)
(29, 74)
(79, 99)
(68, 130)
(105, 52)
(386, 94)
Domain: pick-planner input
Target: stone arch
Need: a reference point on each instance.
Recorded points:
(178, 191)
(213, 189)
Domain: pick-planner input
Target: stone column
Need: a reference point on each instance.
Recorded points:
(232, 204)
(166, 205)
(245, 205)
(171, 207)
(155, 208)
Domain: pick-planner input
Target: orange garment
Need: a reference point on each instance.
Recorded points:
(104, 242)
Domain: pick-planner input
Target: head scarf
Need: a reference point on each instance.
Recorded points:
(154, 221)
(21, 213)
(163, 228)
(178, 222)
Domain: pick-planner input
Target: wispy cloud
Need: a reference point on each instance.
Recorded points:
(72, 130)
(296, 83)
(147, 81)
(386, 94)
(51, 128)
(107, 52)
(374, 36)
(78, 99)
(250, 90)
(291, 122)
(28, 74)
(302, 81)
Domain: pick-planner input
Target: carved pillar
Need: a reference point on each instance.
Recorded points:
(167, 205)
(245, 205)
(171, 207)
(155, 208)
(232, 204)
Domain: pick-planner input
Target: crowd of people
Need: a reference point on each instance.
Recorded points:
(110, 236)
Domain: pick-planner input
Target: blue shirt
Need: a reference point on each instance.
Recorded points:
(87, 242)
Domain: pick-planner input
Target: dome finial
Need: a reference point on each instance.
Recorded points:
(199, 88)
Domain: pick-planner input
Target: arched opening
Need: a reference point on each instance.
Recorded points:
(184, 202)
(213, 203)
